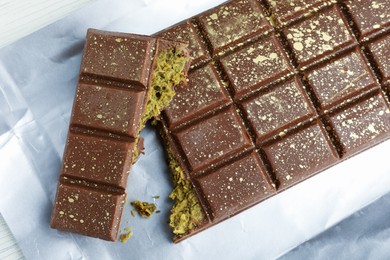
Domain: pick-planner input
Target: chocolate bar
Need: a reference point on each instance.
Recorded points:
(278, 91)
(124, 80)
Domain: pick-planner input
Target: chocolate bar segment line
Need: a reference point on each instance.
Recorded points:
(304, 89)
(110, 112)
(97, 159)
(225, 191)
(339, 78)
(213, 142)
(266, 118)
(286, 12)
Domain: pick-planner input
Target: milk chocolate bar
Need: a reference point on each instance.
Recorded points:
(278, 91)
(124, 80)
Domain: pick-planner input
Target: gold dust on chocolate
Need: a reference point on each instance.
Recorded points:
(280, 91)
(380, 50)
(340, 78)
(320, 34)
(113, 95)
(370, 17)
(258, 63)
(231, 22)
(88, 211)
(205, 90)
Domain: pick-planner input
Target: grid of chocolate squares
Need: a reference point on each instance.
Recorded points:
(277, 92)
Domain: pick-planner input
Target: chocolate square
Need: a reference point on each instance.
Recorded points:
(98, 159)
(299, 155)
(319, 35)
(369, 16)
(203, 92)
(363, 124)
(272, 111)
(380, 49)
(116, 56)
(213, 138)
(91, 212)
(256, 65)
(341, 78)
(110, 109)
(234, 187)
(233, 22)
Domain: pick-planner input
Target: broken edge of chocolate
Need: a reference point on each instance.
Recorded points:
(276, 93)
(111, 105)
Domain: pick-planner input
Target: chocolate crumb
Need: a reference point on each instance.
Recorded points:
(126, 236)
(145, 209)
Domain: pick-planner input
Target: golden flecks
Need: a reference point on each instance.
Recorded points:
(353, 135)
(298, 46)
(375, 5)
(250, 50)
(326, 37)
(273, 55)
(214, 16)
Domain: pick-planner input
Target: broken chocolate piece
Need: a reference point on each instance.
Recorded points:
(124, 80)
(272, 100)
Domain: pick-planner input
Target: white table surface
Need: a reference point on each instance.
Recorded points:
(19, 18)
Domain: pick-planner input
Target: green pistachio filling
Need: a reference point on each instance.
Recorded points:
(167, 73)
(136, 151)
(186, 213)
(145, 209)
(126, 236)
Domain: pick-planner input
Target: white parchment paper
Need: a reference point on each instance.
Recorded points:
(37, 84)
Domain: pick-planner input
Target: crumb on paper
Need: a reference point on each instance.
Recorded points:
(145, 209)
(126, 236)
